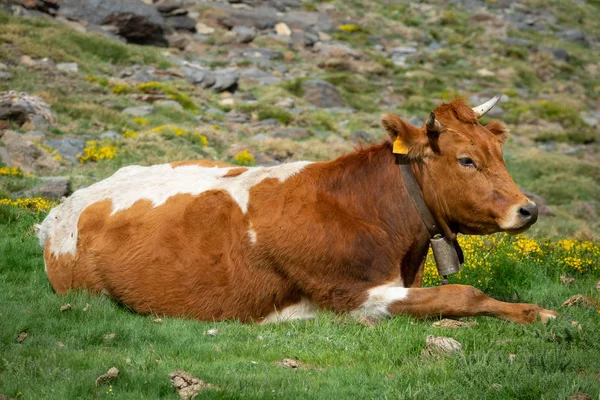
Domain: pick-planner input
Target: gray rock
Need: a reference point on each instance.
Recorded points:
(589, 120)
(286, 103)
(292, 133)
(261, 137)
(67, 148)
(34, 136)
(225, 80)
(270, 122)
(169, 103)
(260, 18)
(243, 34)
(182, 22)
(178, 40)
(404, 50)
(260, 76)
(168, 6)
(331, 49)
(218, 81)
(67, 67)
(110, 135)
(22, 153)
(52, 187)
(140, 111)
(132, 19)
(557, 53)
(259, 54)
(575, 35)
(237, 117)
(22, 108)
(5, 76)
(303, 20)
(322, 94)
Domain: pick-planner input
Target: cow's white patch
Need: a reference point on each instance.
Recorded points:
(252, 236)
(157, 184)
(379, 300)
(304, 309)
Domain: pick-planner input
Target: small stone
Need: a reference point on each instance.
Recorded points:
(60, 345)
(243, 34)
(157, 320)
(485, 72)
(67, 67)
(65, 307)
(282, 29)
(452, 324)
(87, 307)
(261, 137)
(440, 345)
(110, 375)
(323, 37)
(212, 332)
(512, 356)
(110, 336)
(286, 103)
(5, 76)
(27, 61)
(566, 280)
(322, 94)
(188, 386)
(227, 101)
(21, 337)
(260, 337)
(141, 111)
(110, 135)
(204, 29)
(576, 300)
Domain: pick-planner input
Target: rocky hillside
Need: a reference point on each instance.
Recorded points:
(88, 86)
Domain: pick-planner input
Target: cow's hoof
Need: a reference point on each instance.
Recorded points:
(546, 315)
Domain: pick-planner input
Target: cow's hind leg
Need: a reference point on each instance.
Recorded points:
(456, 301)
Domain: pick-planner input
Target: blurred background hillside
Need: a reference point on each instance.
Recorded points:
(88, 86)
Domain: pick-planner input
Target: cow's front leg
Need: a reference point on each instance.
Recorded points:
(448, 301)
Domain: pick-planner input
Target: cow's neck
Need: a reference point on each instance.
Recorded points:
(368, 186)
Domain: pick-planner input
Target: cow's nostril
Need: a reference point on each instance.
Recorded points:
(528, 213)
(524, 212)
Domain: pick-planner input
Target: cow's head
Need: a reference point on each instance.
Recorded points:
(459, 165)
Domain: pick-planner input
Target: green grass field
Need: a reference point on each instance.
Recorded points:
(65, 351)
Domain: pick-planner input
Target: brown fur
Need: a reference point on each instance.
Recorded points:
(235, 172)
(329, 233)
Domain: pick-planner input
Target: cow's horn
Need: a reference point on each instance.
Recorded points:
(432, 124)
(481, 110)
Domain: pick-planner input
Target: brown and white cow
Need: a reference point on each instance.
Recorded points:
(279, 243)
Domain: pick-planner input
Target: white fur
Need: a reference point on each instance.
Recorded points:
(252, 236)
(304, 309)
(157, 184)
(379, 300)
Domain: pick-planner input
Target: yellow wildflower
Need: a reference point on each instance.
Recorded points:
(95, 151)
(31, 204)
(244, 158)
(10, 171)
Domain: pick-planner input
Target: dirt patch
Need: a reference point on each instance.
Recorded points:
(566, 280)
(110, 375)
(452, 324)
(188, 386)
(580, 396)
(21, 337)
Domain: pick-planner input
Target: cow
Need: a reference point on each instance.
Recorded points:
(268, 244)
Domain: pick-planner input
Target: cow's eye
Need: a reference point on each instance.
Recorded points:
(467, 162)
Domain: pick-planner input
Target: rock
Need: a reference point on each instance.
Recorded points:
(261, 137)
(258, 54)
(212, 332)
(576, 300)
(243, 34)
(24, 109)
(34, 136)
(308, 20)
(135, 21)
(168, 6)
(21, 337)
(237, 117)
(292, 133)
(65, 307)
(337, 50)
(52, 187)
(182, 22)
(259, 76)
(225, 80)
(22, 153)
(67, 148)
(590, 120)
(110, 135)
(270, 122)
(169, 103)
(260, 18)
(543, 208)
(322, 94)
(556, 52)
(187, 385)
(67, 67)
(440, 346)
(218, 81)
(286, 103)
(110, 375)
(140, 111)
(178, 40)
(452, 324)
(282, 29)
(566, 280)
(5, 76)
(204, 29)
(575, 35)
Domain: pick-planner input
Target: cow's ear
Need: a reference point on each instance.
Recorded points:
(498, 129)
(407, 138)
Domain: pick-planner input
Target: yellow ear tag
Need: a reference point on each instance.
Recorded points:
(399, 147)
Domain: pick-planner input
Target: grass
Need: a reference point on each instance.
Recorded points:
(65, 352)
